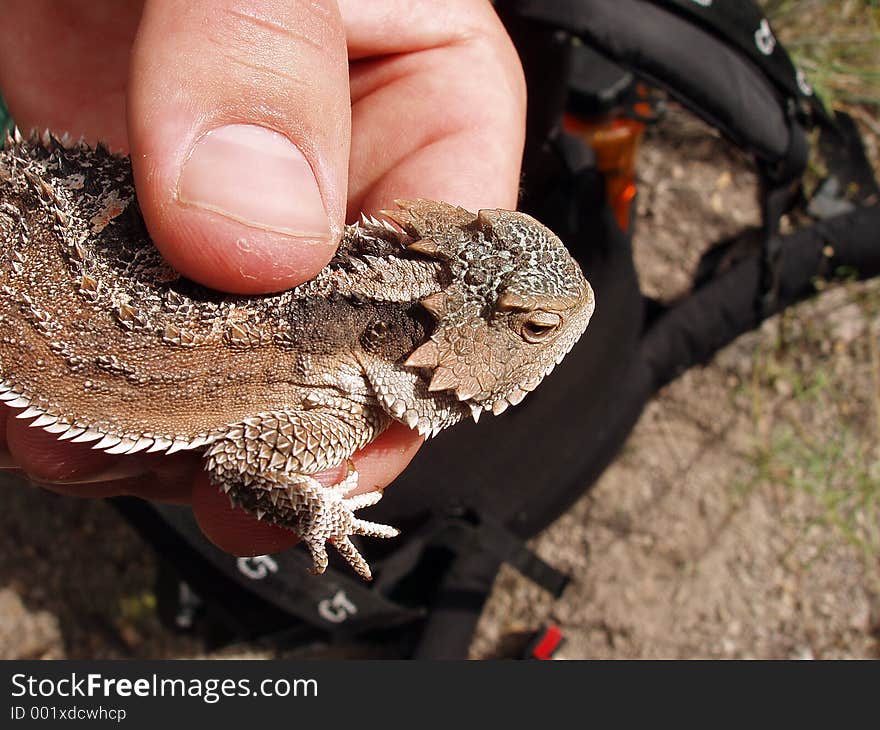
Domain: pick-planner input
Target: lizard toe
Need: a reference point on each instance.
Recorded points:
(373, 529)
(318, 550)
(351, 554)
(367, 499)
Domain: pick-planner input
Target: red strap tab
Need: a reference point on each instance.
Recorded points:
(549, 642)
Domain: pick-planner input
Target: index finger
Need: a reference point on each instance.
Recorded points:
(442, 114)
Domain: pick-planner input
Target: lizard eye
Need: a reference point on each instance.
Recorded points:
(538, 326)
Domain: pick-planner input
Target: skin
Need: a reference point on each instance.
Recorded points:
(385, 99)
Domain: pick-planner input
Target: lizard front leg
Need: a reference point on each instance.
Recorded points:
(266, 462)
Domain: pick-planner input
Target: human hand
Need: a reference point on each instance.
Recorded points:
(349, 104)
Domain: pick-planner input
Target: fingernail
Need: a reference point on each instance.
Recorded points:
(256, 176)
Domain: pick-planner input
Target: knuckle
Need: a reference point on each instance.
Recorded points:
(268, 28)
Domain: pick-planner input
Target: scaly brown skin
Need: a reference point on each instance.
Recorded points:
(425, 318)
(436, 103)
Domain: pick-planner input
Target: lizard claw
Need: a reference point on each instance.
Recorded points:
(367, 499)
(337, 523)
(348, 483)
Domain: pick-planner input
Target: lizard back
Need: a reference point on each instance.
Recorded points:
(98, 332)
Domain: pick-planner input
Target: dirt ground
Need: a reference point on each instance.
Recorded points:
(741, 519)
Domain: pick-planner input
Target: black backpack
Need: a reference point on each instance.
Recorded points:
(475, 494)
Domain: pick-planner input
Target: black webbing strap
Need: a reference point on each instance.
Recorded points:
(335, 602)
(456, 607)
(696, 327)
(743, 24)
(473, 533)
(850, 181)
(481, 544)
(781, 190)
(502, 543)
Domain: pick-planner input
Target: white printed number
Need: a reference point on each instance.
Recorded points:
(764, 38)
(336, 609)
(804, 85)
(257, 567)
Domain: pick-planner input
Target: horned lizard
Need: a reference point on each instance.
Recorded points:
(425, 316)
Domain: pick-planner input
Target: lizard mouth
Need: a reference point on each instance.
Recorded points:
(516, 394)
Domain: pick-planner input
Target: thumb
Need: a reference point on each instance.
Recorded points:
(239, 129)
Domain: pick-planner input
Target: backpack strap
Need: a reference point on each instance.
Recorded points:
(721, 61)
(264, 586)
(780, 191)
(850, 181)
(267, 591)
(727, 89)
(742, 25)
(471, 531)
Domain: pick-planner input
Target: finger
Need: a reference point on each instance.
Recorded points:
(239, 127)
(78, 470)
(144, 487)
(441, 115)
(380, 462)
(45, 459)
(450, 94)
(232, 529)
(64, 66)
(240, 533)
(6, 460)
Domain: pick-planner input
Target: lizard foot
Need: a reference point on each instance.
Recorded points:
(335, 521)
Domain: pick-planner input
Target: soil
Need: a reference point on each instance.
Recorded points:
(702, 540)
(740, 520)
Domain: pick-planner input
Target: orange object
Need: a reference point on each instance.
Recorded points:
(616, 142)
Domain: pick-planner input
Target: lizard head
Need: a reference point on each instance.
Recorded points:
(516, 304)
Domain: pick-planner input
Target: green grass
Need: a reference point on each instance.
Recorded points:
(815, 406)
(841, 475)
(815, 403)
